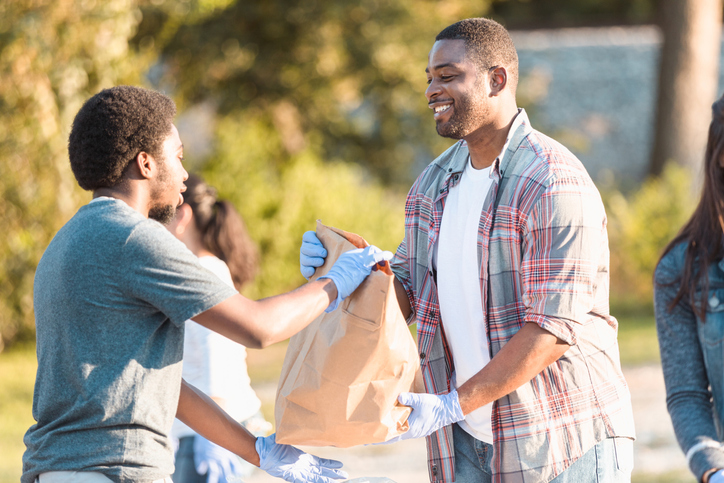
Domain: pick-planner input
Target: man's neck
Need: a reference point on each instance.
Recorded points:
(132, 199)
(486, 143)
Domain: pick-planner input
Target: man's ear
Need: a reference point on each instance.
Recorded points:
(146, 165)
(498, 80)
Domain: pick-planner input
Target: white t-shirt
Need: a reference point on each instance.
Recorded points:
(458, 287)
(217, 365)
(455, 259)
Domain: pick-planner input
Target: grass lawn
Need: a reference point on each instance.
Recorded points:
(637, 338)
(17, 375)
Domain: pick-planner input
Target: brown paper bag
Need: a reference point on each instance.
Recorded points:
(342, 374)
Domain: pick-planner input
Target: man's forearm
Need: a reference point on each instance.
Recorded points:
(523, 357)
(204, 416)
(260, 323)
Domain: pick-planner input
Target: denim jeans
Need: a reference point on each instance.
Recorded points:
(610, 461)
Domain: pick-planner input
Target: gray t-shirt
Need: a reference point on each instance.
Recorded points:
(111, 295)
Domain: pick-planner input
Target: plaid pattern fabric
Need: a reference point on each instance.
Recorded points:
(543, 252)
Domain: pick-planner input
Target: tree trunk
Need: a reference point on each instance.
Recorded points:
(688, 81)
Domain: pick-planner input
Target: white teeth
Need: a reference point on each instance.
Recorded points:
(442, 108)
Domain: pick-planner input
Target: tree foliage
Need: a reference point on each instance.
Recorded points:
(53, 55)
(345, 77)
(321, 105)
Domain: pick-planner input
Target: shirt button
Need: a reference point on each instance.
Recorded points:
(713, 301)
(442, 191)
(422, 356)
(449, 170)
(434, 470)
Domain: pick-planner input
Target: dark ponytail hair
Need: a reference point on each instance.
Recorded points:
(705, 229)
(223, 232)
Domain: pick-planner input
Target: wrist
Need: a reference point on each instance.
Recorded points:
(457, 411)
(708, 474)
(330, 289)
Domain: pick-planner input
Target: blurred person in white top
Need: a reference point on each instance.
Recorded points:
(214, 231)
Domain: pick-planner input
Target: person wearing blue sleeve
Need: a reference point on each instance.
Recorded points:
(689, 308)
(112, 293)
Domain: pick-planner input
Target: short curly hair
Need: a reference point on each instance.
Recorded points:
(487, 43)
(111, 129)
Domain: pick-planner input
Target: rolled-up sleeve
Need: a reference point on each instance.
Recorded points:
(564, 258)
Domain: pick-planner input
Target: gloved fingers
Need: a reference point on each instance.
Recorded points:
(326, 463)
(312, 246)
(330, 474)
(313, 254)
(214, 474)
(335, 473)
(409, 399)
(373, 255)
(307, 272)
(311, 261)
(315, 477)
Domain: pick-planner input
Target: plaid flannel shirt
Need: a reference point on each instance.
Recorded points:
(543, 253)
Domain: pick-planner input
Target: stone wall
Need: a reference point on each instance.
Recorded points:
(594, 90)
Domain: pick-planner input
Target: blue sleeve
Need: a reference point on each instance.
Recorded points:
(688, 398)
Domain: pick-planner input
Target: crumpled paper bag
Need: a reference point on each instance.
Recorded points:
(342, 373)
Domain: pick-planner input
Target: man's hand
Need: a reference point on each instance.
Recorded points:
(429, 413)
(294, 465)
(350, 270)
(219, 464)
(311, 254)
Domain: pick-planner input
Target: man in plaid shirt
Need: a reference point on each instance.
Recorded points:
(504, 266)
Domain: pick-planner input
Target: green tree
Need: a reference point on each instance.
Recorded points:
(322, 111)
(53, 55)
(346, 77)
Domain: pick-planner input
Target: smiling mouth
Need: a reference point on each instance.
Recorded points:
(444, 108)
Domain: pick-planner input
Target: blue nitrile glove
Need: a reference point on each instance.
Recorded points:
(429, 413)
(311, 255)
(350, 270)
(221, 465)
(717, 477)
(294, 465)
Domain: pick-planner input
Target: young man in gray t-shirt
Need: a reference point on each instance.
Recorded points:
(112, 292)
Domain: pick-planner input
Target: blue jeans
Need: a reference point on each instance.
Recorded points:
(610, 461)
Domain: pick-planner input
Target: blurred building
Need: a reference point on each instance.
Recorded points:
(594, 90)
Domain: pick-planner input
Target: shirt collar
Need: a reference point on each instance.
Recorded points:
(459, 162)
(517, 121)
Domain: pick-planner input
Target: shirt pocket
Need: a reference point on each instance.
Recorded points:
(711, 332)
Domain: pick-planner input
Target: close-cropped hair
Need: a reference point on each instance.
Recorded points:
(487, 43)
(112, 128)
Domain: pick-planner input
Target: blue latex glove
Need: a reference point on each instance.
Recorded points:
(717, 477)
(294, 465)
(350, 270)
(221, 465)
(311, 255)
(429, 413)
